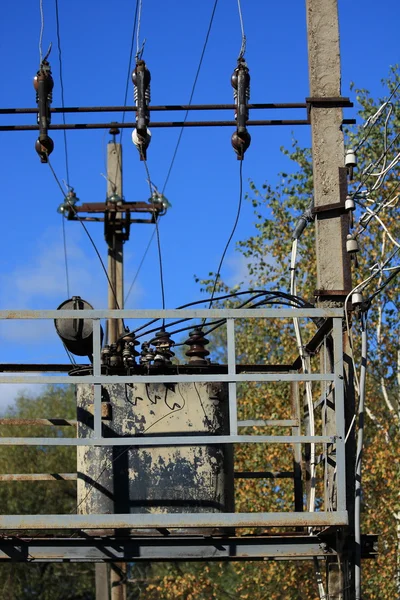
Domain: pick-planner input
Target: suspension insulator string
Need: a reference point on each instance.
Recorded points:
(43, 84)
(240, 82)
(141, 78)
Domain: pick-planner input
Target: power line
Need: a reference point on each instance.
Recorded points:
(139, 18)
(65, 143)
(128, 76)
(62, 89)
(158, 239)
(65, 256)
(140, 265)
(191, 96)
(87, 233)
(243, 46)
(231, 234)
(41, 30)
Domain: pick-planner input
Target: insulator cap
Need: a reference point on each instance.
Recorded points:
(141, 143)
(349, 203)
(130, 343)
(352, 244)
(44, 146)
(197, 352)
(357, 299)
(147, 354)
(350, 160)
(240, 143)
(163, 344)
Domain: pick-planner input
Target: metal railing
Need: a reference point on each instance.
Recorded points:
(232, 377)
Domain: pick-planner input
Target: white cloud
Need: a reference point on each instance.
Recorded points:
(237, 269)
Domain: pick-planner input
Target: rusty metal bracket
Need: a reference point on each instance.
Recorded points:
(327, 210)
(327, 102)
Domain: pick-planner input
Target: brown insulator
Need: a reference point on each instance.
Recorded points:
(163, 344)
(115, 356)
(44, 146)
(240, 143)
(147, 354)
(105, 355)
(131, 340)
(197, 352)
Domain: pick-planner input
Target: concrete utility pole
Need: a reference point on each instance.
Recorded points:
(115, 241)
(333, 263)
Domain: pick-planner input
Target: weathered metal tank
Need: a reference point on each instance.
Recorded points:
(155, 479)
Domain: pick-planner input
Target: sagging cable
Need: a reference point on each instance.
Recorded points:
(43, 84)
(141, 136)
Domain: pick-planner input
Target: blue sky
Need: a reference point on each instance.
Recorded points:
(203, 187)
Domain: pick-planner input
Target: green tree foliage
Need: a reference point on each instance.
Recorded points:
(45, 581)
(267, 252)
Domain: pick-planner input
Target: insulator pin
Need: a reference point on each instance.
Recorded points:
(198, 351)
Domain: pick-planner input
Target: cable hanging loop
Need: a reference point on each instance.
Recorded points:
(43, 84)
(141, 78)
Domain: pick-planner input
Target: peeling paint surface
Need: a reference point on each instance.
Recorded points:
(156, 479)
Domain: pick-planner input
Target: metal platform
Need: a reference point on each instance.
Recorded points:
(170, 547)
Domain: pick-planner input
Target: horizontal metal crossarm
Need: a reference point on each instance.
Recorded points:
(109, 549)
(157, 124)
(147, 440)
(265, 377)
(214, 313)
(176, 107)
(173, 520)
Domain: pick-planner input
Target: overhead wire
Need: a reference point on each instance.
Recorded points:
(305, 362)
(239, 208)
(372, 120)
(359, 451)
(65, 143)
(243, 46)
(178, 140)
(191, 95)
(139, 18)
(87, 233)
(41, 31)
(129, 65)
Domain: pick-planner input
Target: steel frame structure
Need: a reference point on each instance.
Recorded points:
(219, 548)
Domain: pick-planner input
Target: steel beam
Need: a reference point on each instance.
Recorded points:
(158, 549)
(173, 520)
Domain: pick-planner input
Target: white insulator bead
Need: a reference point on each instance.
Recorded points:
(139, 142)
(352, 244)
(350, 160)
(349, 203)
(356, 299)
